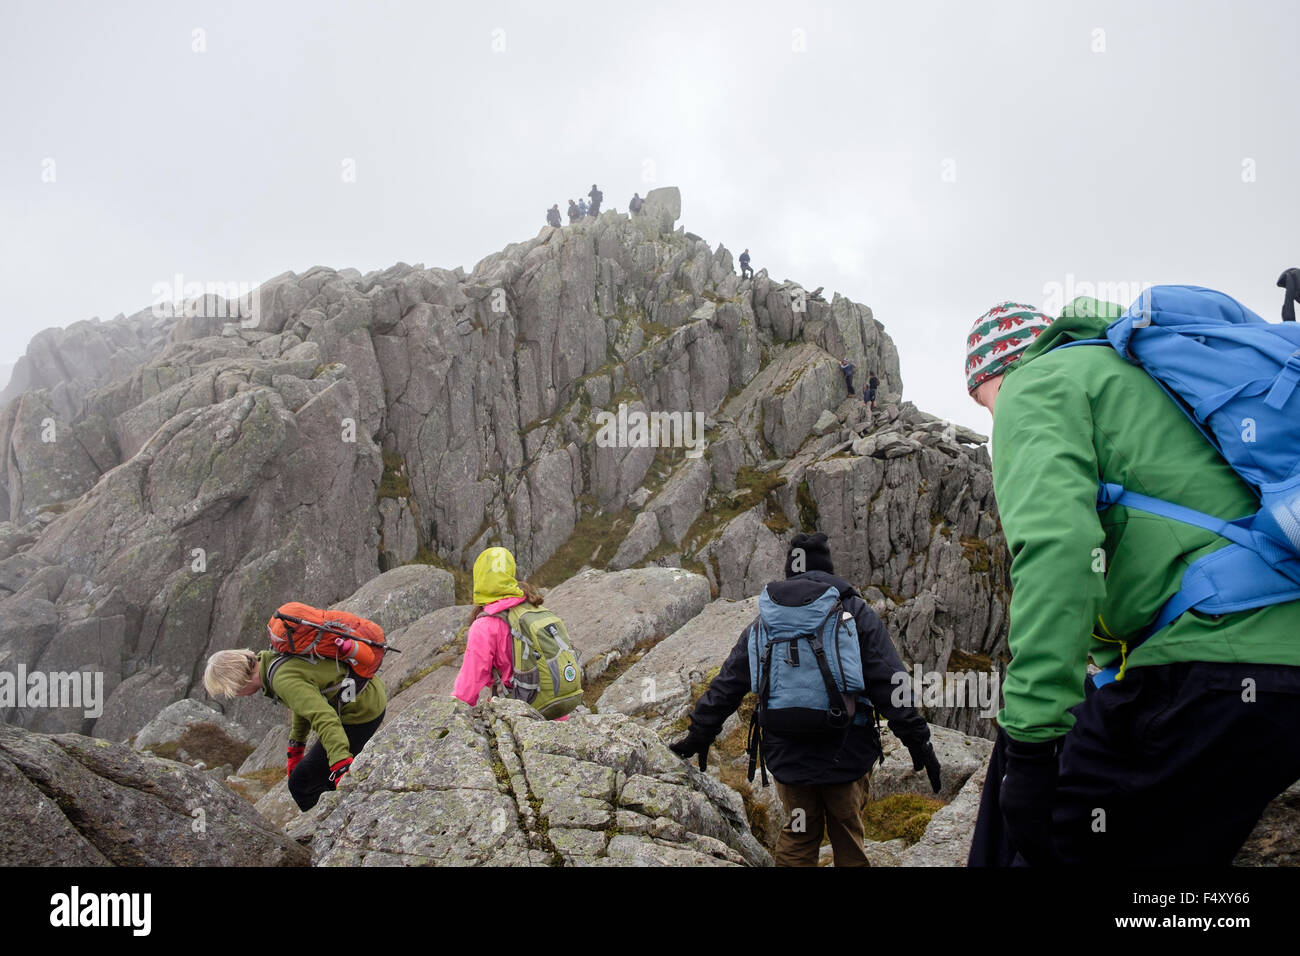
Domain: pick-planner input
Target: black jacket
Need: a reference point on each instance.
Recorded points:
(833, 757)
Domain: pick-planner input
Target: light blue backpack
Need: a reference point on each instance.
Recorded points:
(805, 665)
(1235, 376)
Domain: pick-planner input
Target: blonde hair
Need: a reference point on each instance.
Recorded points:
(228, 672)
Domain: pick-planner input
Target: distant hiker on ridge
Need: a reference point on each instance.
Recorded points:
(814, 725)
(573, 212)
(553, 216)
(596, 196)
(745, 270)
(847, 368)
(635, 203)
(582, 209)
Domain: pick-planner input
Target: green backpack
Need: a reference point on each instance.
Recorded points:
(547, 676)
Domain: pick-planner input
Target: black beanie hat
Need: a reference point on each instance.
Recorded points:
(816, 556)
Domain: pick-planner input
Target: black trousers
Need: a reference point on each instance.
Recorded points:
(1171, 766)
(311, 777)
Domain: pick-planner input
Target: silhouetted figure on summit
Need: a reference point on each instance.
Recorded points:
(635, 204)
(582, 209)
(745, 270)
(596, 196)
(574, 215)
(553, 216)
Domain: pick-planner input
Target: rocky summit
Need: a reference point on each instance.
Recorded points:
(641, 427)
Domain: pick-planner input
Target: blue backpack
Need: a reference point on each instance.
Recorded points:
(1235, 376)
(805, 665)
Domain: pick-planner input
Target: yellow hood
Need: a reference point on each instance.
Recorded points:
(494, 576)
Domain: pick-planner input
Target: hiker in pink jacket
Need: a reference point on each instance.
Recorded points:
(489, 648)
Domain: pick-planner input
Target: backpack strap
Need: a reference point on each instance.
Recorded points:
(270, 673)
(754, 745)
(359, 682)
(1290, 281)
(833, 692)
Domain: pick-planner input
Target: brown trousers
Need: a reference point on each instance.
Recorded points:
(834, 808)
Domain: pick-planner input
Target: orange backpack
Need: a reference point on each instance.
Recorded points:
(305, 631)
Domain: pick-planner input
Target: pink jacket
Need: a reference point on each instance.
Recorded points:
(488, 647)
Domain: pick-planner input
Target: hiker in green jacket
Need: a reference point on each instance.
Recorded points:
(322, 699)
(1174, 762)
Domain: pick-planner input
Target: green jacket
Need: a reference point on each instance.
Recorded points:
(1083, 581)
(298, 685)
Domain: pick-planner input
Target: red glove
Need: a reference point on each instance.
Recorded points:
(338, 770)
(294, 753)
(345, 645)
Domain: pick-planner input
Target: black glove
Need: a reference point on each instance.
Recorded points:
(690, 745)
(1027, 794)
(923, 756)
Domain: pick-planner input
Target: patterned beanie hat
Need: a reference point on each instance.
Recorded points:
(998, 338)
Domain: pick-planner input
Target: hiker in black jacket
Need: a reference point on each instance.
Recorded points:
(553, 216)
(595, 196)
(824, 774)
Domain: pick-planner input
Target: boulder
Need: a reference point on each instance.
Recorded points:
(947, 838)
(80, 800)
(398, 597)
(498, 785)
(192, 732)
(607, 614)
(659, 687)
(960, 758)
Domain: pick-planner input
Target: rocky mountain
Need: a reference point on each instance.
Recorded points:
(642, 428)
(169, 480)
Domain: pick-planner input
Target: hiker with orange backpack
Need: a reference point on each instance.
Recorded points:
(322, 667)
(515, 645)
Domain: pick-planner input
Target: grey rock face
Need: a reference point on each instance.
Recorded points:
(947, 839)
(960, 758)
(747, 555)
(400, 597)
(435, 641)
(607, 614)
(82, 801)
(640, 541)
(500, 786)
(658, 686)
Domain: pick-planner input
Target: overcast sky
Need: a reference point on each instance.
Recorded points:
(927, 159)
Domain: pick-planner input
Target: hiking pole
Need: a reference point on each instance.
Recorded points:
(1290, 281)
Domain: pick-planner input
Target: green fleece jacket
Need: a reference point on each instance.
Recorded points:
(1084, 581)
(299, 683)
